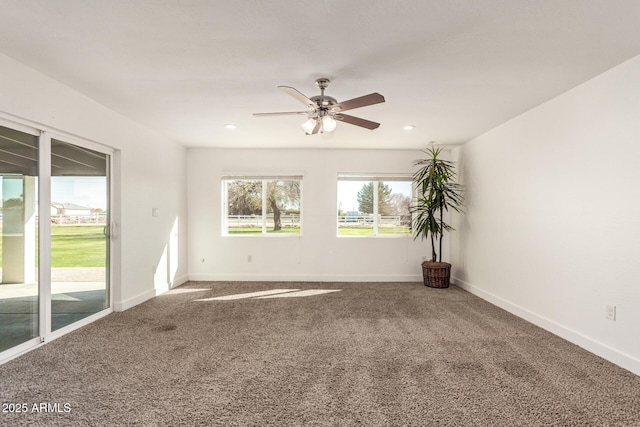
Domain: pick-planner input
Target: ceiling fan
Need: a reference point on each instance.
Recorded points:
(323, 112)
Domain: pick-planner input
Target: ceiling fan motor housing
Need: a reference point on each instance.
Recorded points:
(323, 101)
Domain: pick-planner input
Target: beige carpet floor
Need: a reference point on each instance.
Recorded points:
(367, 354)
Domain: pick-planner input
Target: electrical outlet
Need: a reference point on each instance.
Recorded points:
(610, 312)
(249, 258)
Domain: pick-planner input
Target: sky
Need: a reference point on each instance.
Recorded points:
(90, 192)
(84, 191)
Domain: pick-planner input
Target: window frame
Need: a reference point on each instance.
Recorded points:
(375, 178)
(226, 179)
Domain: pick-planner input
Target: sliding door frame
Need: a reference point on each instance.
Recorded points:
(45, 135)
(44, 234)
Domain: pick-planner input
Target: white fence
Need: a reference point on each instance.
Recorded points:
(367, 220)
(343, 220)
(249, 220)
(256, 220)
(88, 219)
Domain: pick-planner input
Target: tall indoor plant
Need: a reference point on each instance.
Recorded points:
(438, 192)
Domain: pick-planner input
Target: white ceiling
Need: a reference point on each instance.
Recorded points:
(452, 68)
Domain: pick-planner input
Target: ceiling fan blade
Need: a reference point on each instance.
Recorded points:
(362, 101)
(283, 113)
(300, 97)
(356, 121)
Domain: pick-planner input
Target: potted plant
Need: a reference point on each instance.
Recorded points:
(438, 191)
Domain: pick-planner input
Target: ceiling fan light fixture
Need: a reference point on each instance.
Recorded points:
(329, 124)
(309, 125)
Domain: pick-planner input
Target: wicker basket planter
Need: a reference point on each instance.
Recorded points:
(436, 274)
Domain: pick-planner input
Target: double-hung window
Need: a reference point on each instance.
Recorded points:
(374, 205)
(262, 205)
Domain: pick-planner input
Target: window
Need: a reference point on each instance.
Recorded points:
(374, 205)
(262, 205)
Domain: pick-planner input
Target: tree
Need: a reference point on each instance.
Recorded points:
(399, 204)
(245, 197)
(439, 192)
(16, 202)
(365, 199)
(282, 195)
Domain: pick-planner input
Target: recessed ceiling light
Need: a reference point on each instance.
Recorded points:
(409, 127)
(230, 126)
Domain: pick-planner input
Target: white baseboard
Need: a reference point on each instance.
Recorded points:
(181, 280)
(611, 354)
(147, 295)
(302, 278)
(133, 301)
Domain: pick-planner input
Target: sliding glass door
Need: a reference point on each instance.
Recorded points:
(79, 229)
(19, 296)
(54, 235)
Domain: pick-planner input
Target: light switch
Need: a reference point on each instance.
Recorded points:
(154, 212)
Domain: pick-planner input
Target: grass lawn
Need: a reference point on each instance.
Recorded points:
(76, 246)
(382, 231)
(258, 230)
(342, 231)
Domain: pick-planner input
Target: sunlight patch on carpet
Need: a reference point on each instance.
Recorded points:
(184, 291)
(307, 293)
(248, 295)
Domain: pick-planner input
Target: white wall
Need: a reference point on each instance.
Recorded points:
(317, 255)
(552, 230)
(150, 171)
